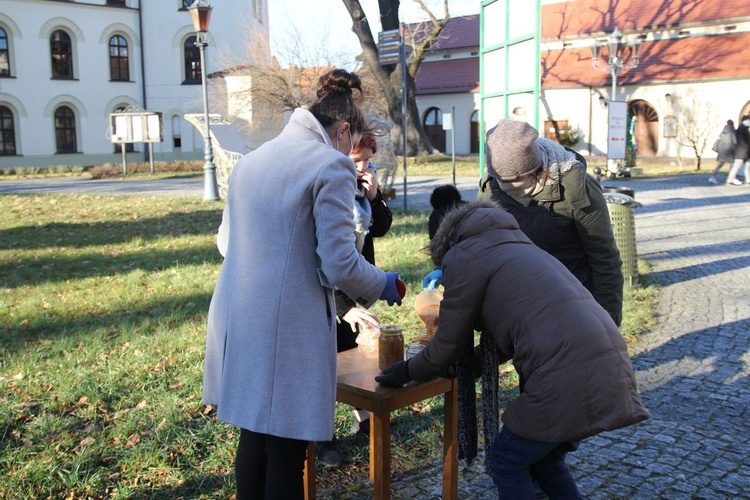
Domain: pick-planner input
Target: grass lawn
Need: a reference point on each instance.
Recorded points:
(103, 303)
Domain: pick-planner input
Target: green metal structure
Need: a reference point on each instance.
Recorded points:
(509, 64)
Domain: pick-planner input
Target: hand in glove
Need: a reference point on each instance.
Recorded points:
(391, 292)
(396, 375)
(432, 280)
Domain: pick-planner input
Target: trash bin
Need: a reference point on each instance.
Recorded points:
(619, 189)
(621, 212)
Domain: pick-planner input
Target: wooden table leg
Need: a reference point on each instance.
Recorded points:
(380, 454)
(309, 476)
(450, 444)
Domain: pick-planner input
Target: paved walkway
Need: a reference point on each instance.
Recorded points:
(693, 368)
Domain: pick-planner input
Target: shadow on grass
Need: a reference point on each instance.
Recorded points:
(83, 234)
(59, 268)
(171, 311)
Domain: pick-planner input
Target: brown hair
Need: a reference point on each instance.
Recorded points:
(367, 141)
(337, 100)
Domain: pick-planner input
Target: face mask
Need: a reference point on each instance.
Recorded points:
(746, 123)
(523, 189)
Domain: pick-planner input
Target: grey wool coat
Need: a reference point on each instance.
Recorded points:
(287, 236)
(575, 374)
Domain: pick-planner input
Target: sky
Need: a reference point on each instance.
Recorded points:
(328, 20)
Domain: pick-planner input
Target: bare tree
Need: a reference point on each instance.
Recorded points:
(255, 90)
(389, 77)
(697, 120)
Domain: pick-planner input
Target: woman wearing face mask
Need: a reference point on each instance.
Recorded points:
(288, 240)
(372, 218)
(558, 206)
(741, 154)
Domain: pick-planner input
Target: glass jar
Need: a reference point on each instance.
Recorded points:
(413, 349)
(390, 346)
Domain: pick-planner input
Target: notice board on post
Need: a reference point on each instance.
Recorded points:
(617, 139)
(136, 126)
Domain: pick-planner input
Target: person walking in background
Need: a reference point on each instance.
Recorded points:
(372, 219)
(741, 153)
(575, 375)
(288, 239)
(557, 204)
(725, 148)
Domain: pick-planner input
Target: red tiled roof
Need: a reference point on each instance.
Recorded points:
(696, 58)
(593, 16)
(460, 32)
(449, 76)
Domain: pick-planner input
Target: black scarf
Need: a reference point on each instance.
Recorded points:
(468, 369)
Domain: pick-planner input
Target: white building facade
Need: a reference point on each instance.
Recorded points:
(65, 66)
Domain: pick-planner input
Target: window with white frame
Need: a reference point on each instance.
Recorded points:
(119, 70)
(7, 132)
(61, 48)
(192, 61)
(4, 53)
(65, 130)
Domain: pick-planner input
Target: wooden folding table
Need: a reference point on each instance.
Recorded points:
(356, 386)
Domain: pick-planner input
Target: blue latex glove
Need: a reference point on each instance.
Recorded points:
(433, 280)
(390, 292)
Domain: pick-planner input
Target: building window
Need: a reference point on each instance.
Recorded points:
(4, 54)
(7, 132)
(118, 59)
(192, 62)
(62, 55)
(176, 133)
(65, 130)
(433, 127)
(474, 133)
(116, 2)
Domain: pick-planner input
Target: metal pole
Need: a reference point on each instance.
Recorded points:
(210, 188)
(124, 160)
(453, 141)
(403, 102)
(151, 156)
(614, 83)
(611, 162)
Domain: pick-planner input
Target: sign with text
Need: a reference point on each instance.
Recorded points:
(618, 130)
(389, 45)
(136, 127)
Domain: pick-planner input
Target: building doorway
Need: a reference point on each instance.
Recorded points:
(433, 127)
(646, 132)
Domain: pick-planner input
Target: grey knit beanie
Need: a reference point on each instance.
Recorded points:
(512, 149)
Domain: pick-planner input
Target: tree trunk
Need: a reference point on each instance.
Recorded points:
(389, 77)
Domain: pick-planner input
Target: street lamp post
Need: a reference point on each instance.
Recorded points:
(200, 12)
(616, 62)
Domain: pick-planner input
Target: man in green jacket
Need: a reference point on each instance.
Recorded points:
(558, 206)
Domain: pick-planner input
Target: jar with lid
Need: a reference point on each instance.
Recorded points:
(390, 346)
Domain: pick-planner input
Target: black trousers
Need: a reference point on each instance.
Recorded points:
(269, 467)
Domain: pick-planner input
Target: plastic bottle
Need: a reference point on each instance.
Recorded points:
(427, 305)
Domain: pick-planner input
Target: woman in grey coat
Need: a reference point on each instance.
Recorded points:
(288, 241)
(576, 379)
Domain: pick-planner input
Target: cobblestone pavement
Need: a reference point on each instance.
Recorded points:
(693, 368)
